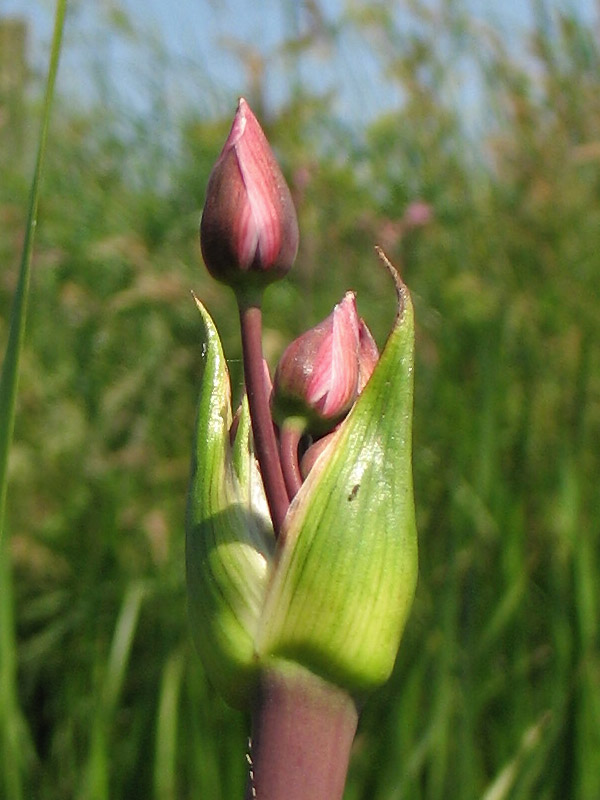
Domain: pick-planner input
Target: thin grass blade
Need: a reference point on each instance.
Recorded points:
(12, 724)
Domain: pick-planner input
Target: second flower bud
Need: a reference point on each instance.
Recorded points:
(321, 372)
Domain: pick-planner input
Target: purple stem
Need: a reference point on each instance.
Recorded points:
(265, 442)
(302, 732)
(289, 440)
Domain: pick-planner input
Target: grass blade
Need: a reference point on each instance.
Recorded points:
(165, 763)
(97, 777)
(11, 722)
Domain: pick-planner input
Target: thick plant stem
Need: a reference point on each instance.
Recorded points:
(302, 731)
(265, 442)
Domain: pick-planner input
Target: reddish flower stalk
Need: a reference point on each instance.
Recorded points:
(289, 441)
(303, 729)
(249, 238)
(265, 442)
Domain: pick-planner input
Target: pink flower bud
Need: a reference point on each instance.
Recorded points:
(317, 376)
(368, 355)
(313, 452)
(249, 228)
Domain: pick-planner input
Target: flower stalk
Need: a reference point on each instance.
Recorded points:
(302, 733)
(265, 442)
(290, 436)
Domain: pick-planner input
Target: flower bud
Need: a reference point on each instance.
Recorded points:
(317, 376)
(249, 229)
(313, 452)
(368, 355)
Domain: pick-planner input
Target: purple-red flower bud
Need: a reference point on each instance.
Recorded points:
(314, 451)
(249, 228)
(321, 373)
(368, 355)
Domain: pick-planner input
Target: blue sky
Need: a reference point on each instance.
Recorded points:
(185, 53)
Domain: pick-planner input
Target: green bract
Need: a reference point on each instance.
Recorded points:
(228, 534)
(336, 595)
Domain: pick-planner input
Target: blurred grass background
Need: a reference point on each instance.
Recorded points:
(496, 691)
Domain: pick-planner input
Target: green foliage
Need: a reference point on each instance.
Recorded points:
(495, 692)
